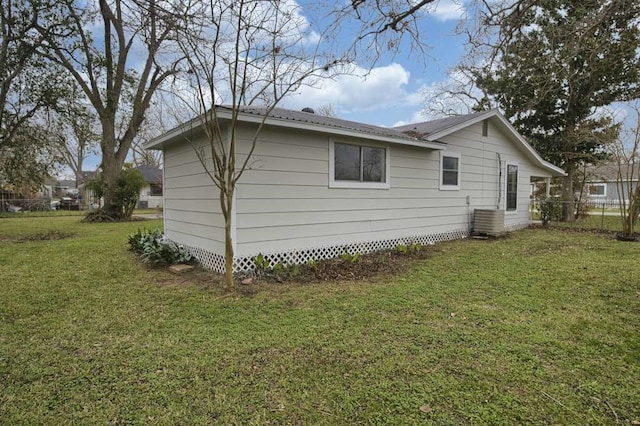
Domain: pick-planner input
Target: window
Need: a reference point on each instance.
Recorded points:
(512, 187)
(449, 171)
(485, 128)
(358, 166)
(155, 189)
(597, 190)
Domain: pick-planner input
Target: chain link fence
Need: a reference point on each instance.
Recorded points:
(602, 215)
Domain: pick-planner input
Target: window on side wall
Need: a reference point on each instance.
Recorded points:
(512, 187)
(597, 190)
(155, 190)
(450, 171)
(358, 166)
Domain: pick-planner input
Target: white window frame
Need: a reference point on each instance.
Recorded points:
(506, 187)
(602, 184)
(441, 185)
(333, 183)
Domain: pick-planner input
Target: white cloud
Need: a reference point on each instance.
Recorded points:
(445, 10)
(382, 87)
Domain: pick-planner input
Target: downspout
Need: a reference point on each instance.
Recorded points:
(499, 181)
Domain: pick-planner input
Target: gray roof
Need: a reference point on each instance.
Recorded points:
(86, 175)
(608, 172)
(311, 118)
(66, 183)
(427, 128)
(150, 174)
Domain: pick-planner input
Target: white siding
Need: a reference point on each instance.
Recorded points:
(480, 173)
(284, 202)
(192, 213)
(153, 201)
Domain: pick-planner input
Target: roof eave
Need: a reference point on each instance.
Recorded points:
(160, 141)
(555, 170)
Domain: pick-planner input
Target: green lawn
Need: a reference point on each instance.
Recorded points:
(541, 327)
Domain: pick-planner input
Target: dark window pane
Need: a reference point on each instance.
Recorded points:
(450, 163)
(512, 187)
(450, 171)
(155, 190)
(373, 164)
(347, 162)
(596, 190)
(449, 178)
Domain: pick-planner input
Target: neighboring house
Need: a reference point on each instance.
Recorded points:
(602, 186)
(64, 187)
(151, 193)
(320, 186)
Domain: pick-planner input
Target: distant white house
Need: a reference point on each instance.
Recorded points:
(602, 185)
(320, 186)
(151, 193)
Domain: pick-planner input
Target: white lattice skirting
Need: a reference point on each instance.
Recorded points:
(215, 261)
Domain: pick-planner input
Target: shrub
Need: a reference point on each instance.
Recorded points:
(154, 248)
(550, 211)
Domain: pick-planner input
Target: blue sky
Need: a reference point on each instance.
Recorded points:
(391, 94)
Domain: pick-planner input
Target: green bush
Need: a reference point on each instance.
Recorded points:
(126, 191)
(550, 211)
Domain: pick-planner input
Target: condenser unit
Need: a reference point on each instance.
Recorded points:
(488, 221)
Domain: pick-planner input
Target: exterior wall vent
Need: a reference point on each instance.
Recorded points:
(488, 221)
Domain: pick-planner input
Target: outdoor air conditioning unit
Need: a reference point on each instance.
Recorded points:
(488, 221)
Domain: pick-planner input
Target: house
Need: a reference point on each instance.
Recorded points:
(63, 187)
(151, 193)
(320, 186)
(603, 187)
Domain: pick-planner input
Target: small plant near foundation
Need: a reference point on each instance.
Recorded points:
(282, 270)
(351, 258)
(261, 263)
(154, 248)
(313, 264)
(412, 248)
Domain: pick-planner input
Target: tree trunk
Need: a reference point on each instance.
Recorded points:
(568, 198)
(226, 203)
(112, 163)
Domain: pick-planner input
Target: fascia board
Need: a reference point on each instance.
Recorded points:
(158, 142)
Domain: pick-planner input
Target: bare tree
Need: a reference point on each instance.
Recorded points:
(625, 153)
(157, 121)
(242, 53)
(119, 53)
(326, 110)
(380, 26)
(73, 132)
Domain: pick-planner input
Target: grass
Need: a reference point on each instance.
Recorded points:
(62, 212)
(539, 328)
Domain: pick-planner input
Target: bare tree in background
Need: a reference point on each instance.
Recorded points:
(73, 131)
(157, 121)
(326, 110)
(625, 154)
(119, 52)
